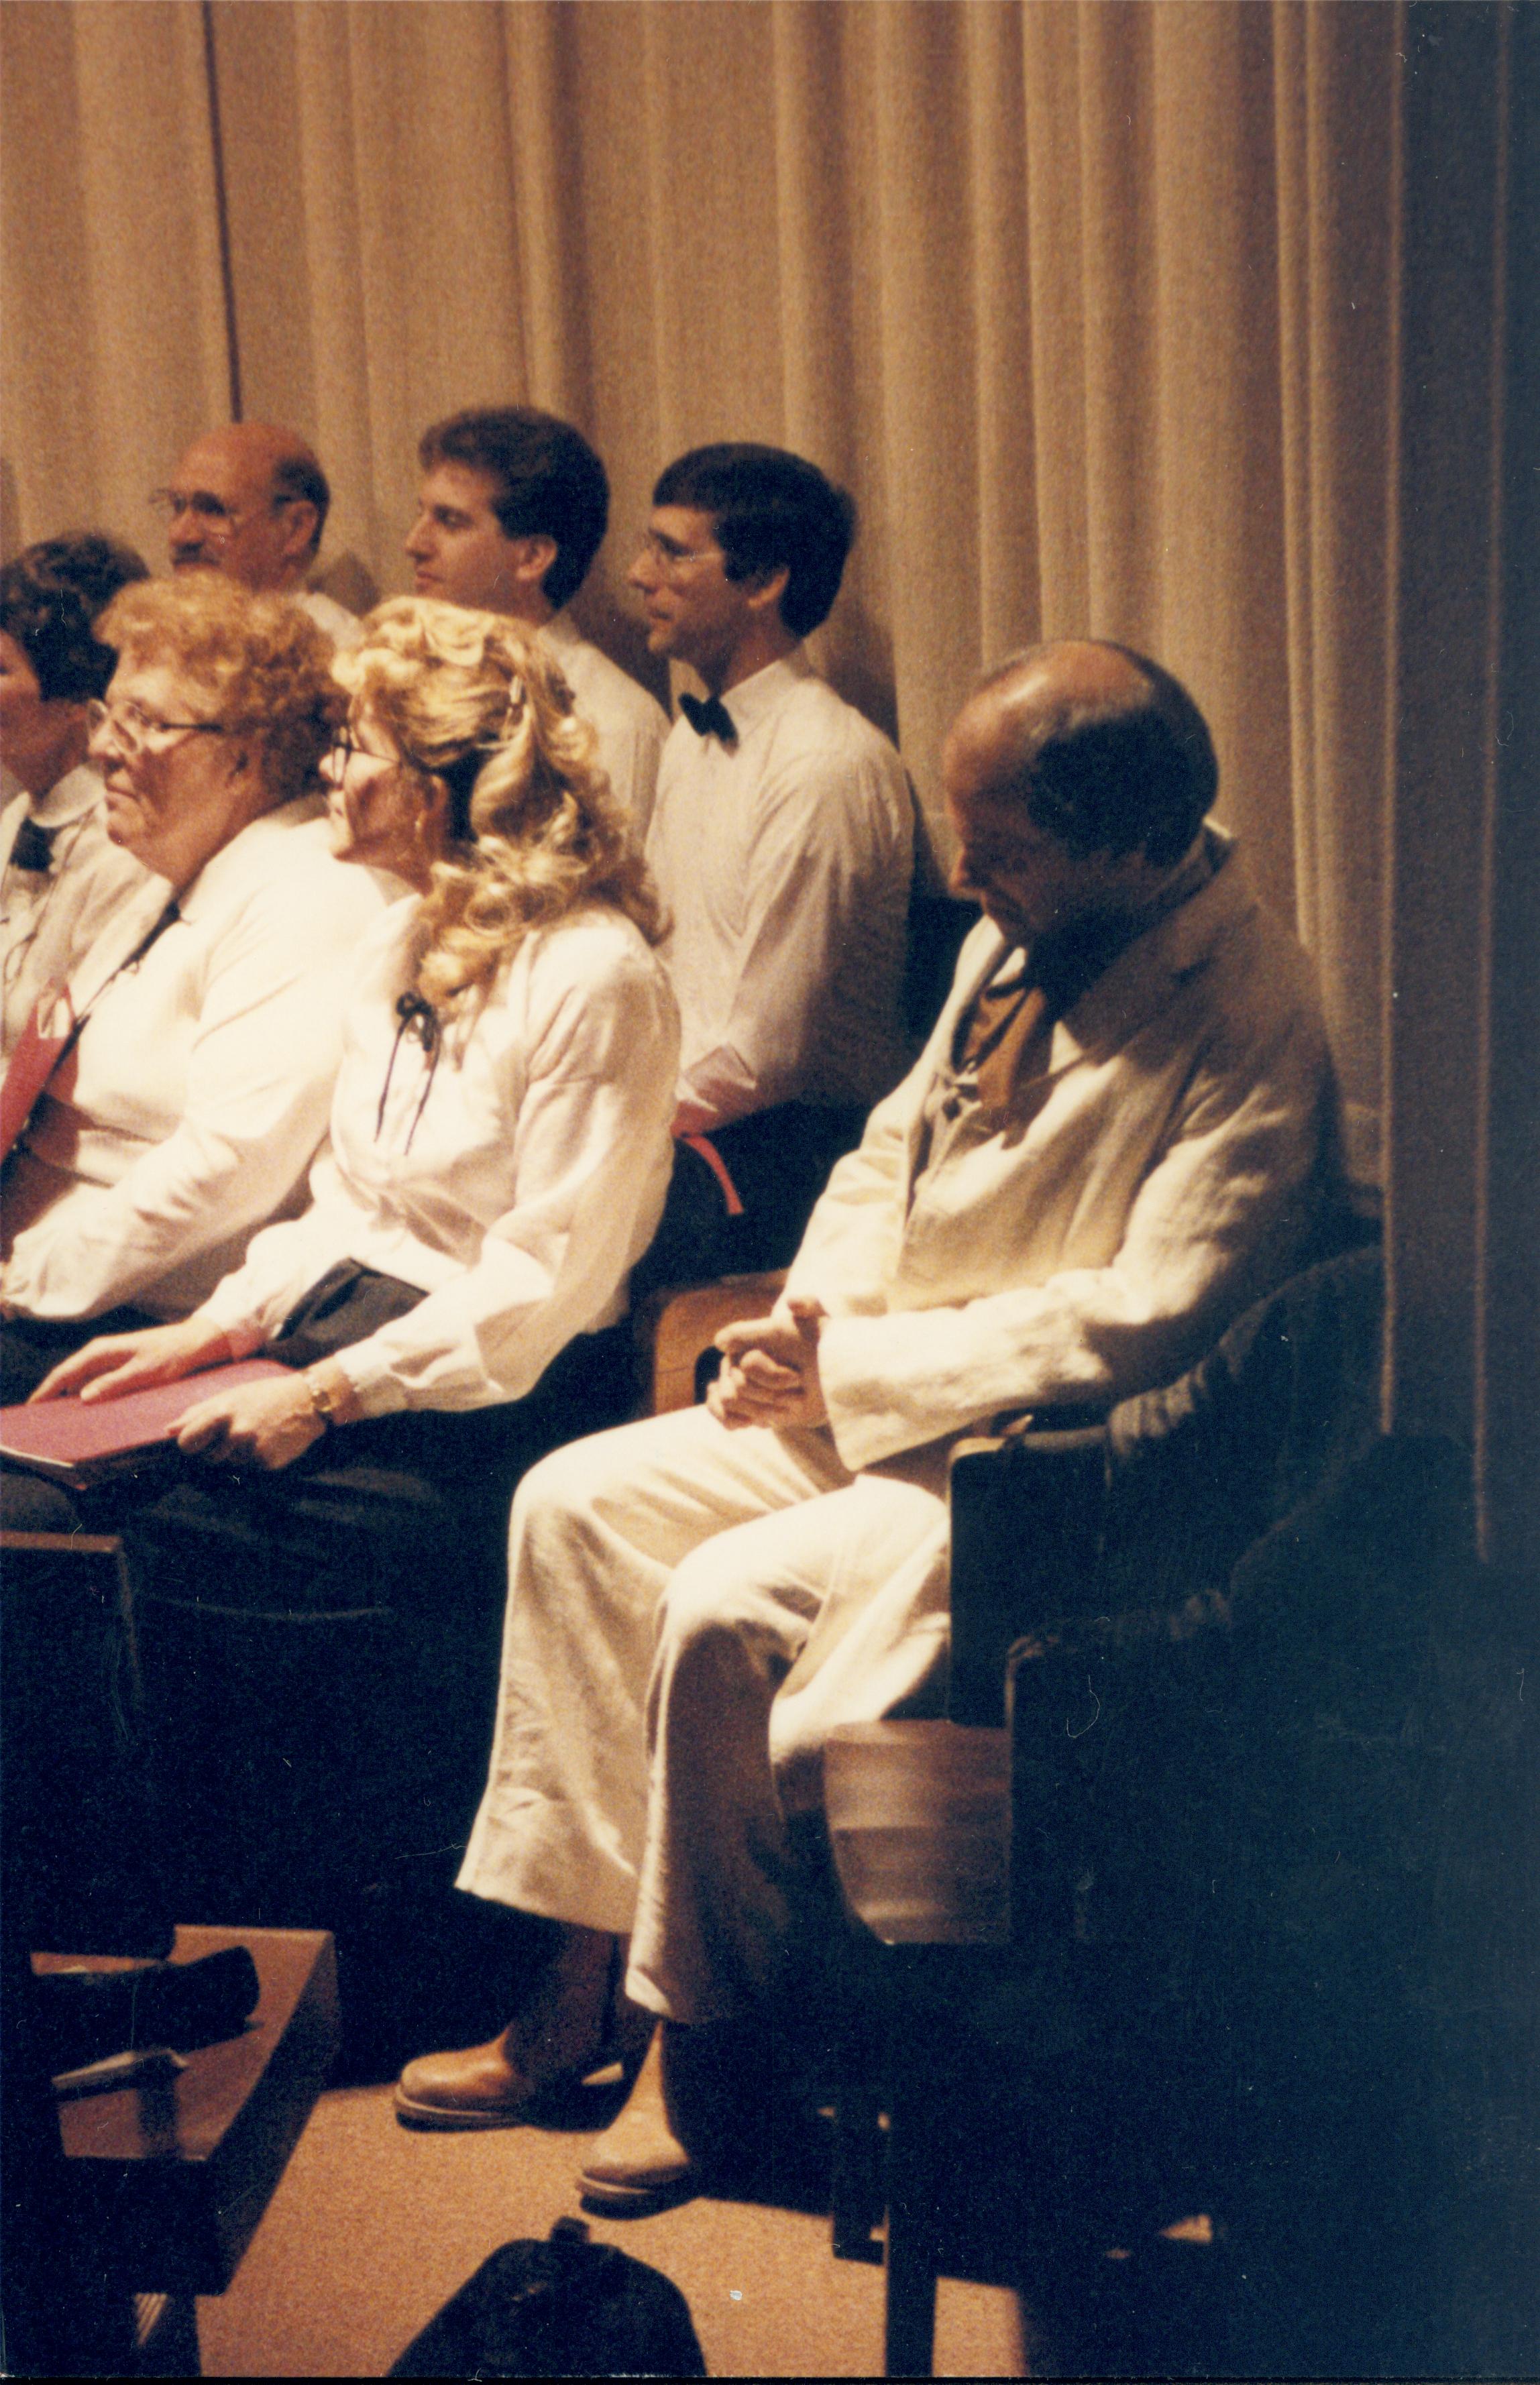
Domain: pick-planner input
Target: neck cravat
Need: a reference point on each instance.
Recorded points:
(709, 717)
(33, 848)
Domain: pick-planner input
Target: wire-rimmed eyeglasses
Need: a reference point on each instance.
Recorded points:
(348, 743)
(217, 520)
(138, 731)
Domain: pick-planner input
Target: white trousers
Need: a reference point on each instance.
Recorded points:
(690, 1611)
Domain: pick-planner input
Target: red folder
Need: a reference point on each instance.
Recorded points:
(79, 1441)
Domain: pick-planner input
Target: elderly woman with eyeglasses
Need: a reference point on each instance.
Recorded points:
(499, 1147)
(198, 1040)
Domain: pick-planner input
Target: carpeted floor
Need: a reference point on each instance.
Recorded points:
(374, 2226)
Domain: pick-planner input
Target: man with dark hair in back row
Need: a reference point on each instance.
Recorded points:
(782, 845)
(1120, 1134)
(512, 511)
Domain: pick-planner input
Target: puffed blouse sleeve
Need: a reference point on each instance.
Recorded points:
(583, 1046)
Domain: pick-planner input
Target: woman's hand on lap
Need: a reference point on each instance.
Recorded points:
(116, 1363)
(267, 1424)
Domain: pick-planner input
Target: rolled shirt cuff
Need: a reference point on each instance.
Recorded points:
(375, 1391)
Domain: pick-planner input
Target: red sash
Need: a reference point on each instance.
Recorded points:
(49, 1033)
(704, 1148)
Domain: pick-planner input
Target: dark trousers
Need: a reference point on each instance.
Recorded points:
(317, 1648)
(399, 1496)
(31, 1347)
(779, 1161)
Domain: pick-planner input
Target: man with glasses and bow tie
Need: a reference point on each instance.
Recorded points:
(783, 844)
(251, 500)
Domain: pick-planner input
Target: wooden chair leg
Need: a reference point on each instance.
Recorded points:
(857, 2164)
(909, 2348)
(165, 2331)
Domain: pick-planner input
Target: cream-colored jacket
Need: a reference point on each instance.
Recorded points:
(1172, 1172)
(1172, 1165)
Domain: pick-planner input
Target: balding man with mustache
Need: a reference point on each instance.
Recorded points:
(1118, 1136)
(251, 500)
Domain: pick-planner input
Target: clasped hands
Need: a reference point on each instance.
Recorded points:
(267, 1424)
(769, 1373)
(770, 1376)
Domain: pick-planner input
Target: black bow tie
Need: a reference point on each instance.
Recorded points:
(710, 719)
(33, 848)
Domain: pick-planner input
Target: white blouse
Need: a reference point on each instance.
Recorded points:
(343, 627)
(49, 919)
(192, 1103)
(516, 1178)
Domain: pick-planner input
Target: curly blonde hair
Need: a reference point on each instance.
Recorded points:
(475, 701)
(256, 664)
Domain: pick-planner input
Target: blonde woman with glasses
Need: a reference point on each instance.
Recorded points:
(183, 1080)
(499, 1143)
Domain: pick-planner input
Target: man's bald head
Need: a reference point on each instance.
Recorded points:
(249, 500)
(1077, 776)
(1107, 752)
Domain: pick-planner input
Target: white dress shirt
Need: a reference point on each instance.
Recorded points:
(192, 1103)
(784, 861)
(343, 627)
(49, 919)
(516, 1179)
(631, 725)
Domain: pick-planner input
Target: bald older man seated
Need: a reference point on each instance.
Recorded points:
(251, 500)
(1120, 1134)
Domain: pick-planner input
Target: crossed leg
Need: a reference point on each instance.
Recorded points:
(711, 1565)
(597, 1532)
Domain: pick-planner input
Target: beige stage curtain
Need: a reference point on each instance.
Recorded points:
(1113, 314)
(116, 330)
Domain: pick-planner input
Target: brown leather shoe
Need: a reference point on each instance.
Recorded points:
(574, 2022)
(477, 2088)
(642, 2162)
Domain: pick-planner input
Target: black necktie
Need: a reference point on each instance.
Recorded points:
(708, 718)
(33, 848)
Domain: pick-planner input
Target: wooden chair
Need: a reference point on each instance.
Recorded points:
(83, 1847)
(1269, 1743)
(677, 1326)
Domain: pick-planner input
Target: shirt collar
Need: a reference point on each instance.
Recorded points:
(561, 631)
(75, 793)
(754, 699)
(1144, 976)
(226, 866)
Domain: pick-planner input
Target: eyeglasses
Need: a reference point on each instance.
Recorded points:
(347, 745)
(217, 520)
(138, 731)
(671, 558)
